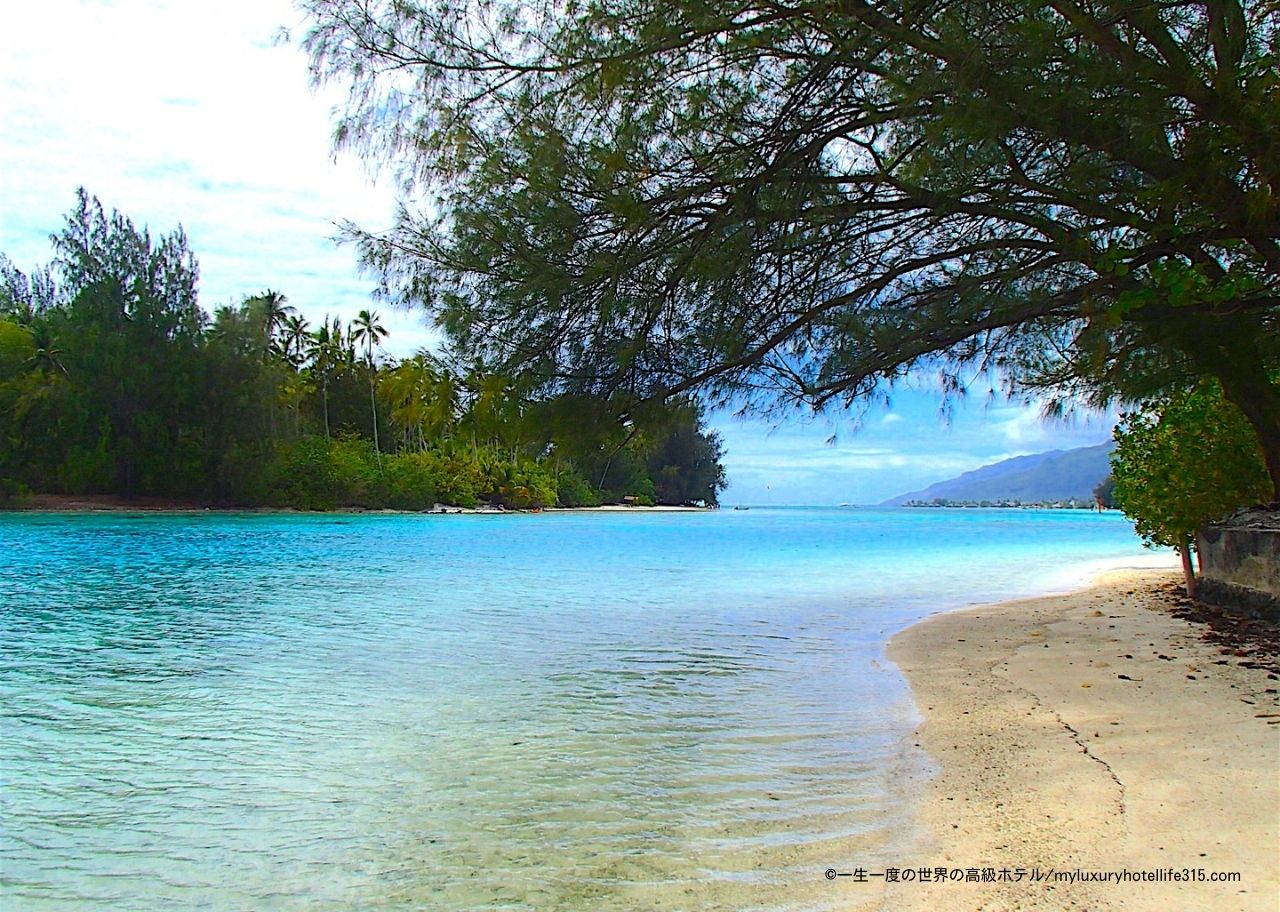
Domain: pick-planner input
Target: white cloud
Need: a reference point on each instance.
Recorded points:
(1021, 428)
(191, 113)
(874, 461)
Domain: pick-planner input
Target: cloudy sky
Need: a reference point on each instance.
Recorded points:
(199, 114)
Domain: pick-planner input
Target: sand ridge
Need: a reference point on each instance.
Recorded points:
(1091, 732)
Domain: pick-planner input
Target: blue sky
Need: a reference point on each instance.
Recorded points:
(195, 113)
(906, 447)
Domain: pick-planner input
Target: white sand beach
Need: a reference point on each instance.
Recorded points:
(1092, 732)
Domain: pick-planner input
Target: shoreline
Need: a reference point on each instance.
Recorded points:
(1090, 731)
(110, 503)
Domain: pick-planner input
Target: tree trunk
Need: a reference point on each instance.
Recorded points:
(373, 405)
(1249, 388)
(1188, 572)
(324, 398)
(1235, 358)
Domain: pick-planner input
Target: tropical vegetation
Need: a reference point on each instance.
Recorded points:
(803, 202)
(113, 380)
(1183, 461)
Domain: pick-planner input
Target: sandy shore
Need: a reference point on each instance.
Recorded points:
(1092, 732)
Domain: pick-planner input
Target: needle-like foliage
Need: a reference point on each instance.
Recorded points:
(798, 200)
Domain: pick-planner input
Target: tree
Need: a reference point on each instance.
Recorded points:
(114, 381)
(1183, 462)
(271, 312)
(1104, 493)
(684, 457)
(25, 299)
(797, 203)
(366, 328)
(324, 351)
(295, 335)
(423, 398)
(493, 409)
(130, 317)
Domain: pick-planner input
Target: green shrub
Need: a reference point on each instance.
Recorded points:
(1184, 461)
(356, 479)
(317, 474)
(461, 482)
(12, 492)
(572, 490)
(411, 480)
(524, 486)
(300, 475)
(181, 470)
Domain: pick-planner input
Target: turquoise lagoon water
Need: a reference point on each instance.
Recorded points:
(564, 711)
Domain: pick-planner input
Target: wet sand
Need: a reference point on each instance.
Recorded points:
(1090, 732)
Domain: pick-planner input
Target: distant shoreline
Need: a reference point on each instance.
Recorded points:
(110, 503)
(1001, 505)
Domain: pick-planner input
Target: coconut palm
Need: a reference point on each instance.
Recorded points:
(323, 354)
(47, 357)
(343, 348)
(271, 310)
(423, 397)
(295, 334)
(443, 411)
(366, 328)
(405, 389)
(492, 409)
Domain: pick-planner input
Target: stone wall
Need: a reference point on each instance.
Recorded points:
(1240, 563)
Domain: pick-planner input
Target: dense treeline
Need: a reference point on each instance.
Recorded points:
(113, 380)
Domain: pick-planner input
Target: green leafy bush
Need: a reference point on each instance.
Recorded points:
(572, 490)
(461, 482)
(522, 486)
(1184, 461)
(412, 481)
(244, 474)
(356, 479)
(12, 492)
(317, 474)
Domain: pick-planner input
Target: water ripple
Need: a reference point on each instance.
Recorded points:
(561, 712)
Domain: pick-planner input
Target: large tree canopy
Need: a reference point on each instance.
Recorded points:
(797, 200)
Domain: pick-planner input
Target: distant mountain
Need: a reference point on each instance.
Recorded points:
(1052, 476)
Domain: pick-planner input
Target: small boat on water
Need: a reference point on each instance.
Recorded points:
(740, 507)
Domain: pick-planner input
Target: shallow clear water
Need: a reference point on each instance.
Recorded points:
(561, 711)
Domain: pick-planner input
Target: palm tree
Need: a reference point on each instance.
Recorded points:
(492, 410)
(444, 402)
(226, 323)
(423, 397)
(404, 388)
(295, 334)
(47, 357)
(321, 352)
(272, 312)
(366, 328)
